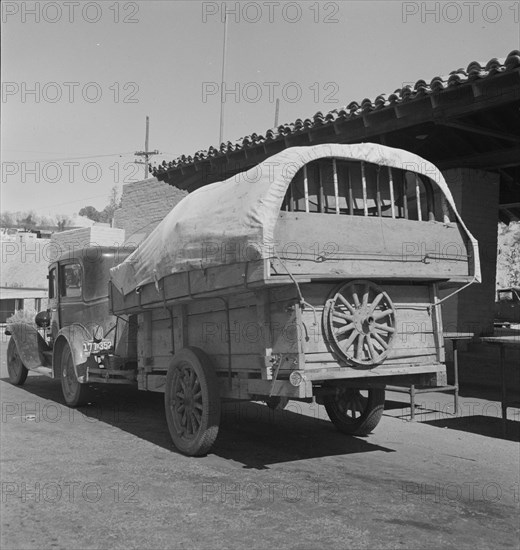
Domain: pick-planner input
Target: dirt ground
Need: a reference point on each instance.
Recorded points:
(107, 476)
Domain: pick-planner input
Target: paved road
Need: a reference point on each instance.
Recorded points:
(106, 476)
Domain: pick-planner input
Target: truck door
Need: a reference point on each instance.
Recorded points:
(71, 297)
(54, 301)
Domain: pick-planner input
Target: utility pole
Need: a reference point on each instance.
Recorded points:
(222, 83)
(146, 154)
(276, 112)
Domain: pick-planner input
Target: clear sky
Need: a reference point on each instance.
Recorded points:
(79, 78)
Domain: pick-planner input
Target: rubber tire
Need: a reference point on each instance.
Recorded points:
(368, 420)
(207, 433)
(77, 394)
(18, 371)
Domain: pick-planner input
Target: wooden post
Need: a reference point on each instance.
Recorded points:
(364, 184)
(405, 197)
(350, 194)
(335, 177)
(418, 198)
(392, 197)
(378, 193)
(146, 138)
(321, 196)
(445, 209)
(306, 187)
(289, 198)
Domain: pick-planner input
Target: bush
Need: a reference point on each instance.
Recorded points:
(22, 316)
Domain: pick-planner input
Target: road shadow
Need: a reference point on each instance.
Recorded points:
(250, 433)
(257, 436)
(395, 405)
(489, 426)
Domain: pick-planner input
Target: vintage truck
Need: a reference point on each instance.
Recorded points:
(314, 275)
(507, 306)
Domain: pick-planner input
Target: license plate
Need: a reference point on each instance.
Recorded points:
(96, 347)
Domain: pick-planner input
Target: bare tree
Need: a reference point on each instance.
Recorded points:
(114, 202)
(7, 219)
(62, 221)
(107, 214)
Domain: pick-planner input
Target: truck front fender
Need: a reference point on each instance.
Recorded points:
(73, 336)
(29, 343)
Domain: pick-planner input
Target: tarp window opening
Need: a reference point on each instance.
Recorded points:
(336, 186)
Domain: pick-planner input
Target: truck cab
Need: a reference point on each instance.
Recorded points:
(76, 338)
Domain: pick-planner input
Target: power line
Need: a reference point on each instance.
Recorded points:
(73, 158)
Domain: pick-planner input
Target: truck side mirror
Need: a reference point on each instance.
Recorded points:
(42, 319)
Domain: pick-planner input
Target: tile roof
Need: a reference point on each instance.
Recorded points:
(474, 72)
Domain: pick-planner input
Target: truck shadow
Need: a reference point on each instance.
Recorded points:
(489, 426)
(250, 433)
(257, 436)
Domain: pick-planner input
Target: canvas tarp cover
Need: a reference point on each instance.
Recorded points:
(235, 219)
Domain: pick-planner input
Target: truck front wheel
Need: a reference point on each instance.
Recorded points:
(354, 411)
(192, 402)
(74, 393)
(16, 369)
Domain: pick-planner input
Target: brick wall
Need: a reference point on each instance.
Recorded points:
(144, 204)
(77, 239)
(24, 262)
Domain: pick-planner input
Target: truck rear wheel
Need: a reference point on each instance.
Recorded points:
(74, 393)
(192, 402)
(17, 370)
(353, 411)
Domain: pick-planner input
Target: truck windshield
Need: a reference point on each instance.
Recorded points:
(505, 296)
(97, 272)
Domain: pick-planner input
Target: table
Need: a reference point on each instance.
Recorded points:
(413, 390)
(504, 342)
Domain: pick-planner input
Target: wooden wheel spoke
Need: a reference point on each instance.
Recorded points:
(345, 302)
(360, 342)
(342, 316)
(384, 327)
(344, 329)
(359, 405)
(380, 340)
(371, 350)
(196, 421)
(192, 379)
(183, 418)
(365, 296)
(189, 422)
(355, 297)
(381, 314)
(350, 340)
(375, 303)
